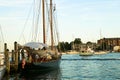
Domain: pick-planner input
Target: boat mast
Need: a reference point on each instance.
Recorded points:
(51, 24)
(43, 13)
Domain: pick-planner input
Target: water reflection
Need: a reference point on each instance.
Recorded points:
(54, 74)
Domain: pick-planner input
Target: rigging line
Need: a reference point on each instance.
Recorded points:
(48, 11)
(33, 20)
(48, 20)
(56, 26)
(25, 22)
(2, 39)
(55, 18)
(1, 33)
(24, 38)
(36, 27)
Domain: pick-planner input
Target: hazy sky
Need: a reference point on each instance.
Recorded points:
(89, 20)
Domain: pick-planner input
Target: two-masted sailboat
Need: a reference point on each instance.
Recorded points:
(41, 54)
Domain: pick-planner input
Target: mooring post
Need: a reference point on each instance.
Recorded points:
(16, 55)
(13, 56)
(5, 48)
(7, 61)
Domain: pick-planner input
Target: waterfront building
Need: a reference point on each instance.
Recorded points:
(108, 43)
(84, 46)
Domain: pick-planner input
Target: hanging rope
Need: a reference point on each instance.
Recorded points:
(48, 22)
(37, 21)
(33, 23)
(1, 34)
(25, 23)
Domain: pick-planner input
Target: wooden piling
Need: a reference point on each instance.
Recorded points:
(16, 55)
(13, 56)
(5, 48)
(7, 62)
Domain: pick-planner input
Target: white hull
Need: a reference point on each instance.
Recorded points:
(86, 54)
(102, 52)
(2, 72)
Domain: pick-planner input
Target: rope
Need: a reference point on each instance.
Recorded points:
(25, 23)
(48, 21)
(1, 33)
(2, 39)
(33, 19)
(37, 21)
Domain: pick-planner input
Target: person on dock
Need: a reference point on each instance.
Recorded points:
(23, 63)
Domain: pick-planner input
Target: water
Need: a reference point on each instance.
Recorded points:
(75, 67)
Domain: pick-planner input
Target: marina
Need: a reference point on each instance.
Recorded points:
(34, 54)
(35, 46)
(96, 67)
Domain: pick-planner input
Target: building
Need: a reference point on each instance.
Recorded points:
(84, 46)
(108, 43)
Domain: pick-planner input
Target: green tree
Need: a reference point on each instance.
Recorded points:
(61, 46)
(77, 41)
(67, 46)
(89, 43)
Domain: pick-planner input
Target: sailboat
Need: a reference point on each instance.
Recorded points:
(43, 55)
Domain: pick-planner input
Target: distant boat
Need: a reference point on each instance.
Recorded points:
(88, 52)
(41, 54)
(101, 52)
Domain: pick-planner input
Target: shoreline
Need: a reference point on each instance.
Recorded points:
(76, 52)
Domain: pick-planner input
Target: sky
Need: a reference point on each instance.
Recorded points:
(89, 20)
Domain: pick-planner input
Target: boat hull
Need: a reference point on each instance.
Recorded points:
(49, 64)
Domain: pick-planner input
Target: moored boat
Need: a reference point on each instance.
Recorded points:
(88, 52)
(44, 54)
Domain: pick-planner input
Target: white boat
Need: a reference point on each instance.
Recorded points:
(88, 52)
(101, 52)
(40, 54)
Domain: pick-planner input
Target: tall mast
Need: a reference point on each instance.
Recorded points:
(43, 13)
(51, 24)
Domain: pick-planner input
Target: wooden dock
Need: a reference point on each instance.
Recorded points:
(16, 63)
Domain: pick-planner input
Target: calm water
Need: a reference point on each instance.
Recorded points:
(75, 67)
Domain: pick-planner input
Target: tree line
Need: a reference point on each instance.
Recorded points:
(65, 46)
